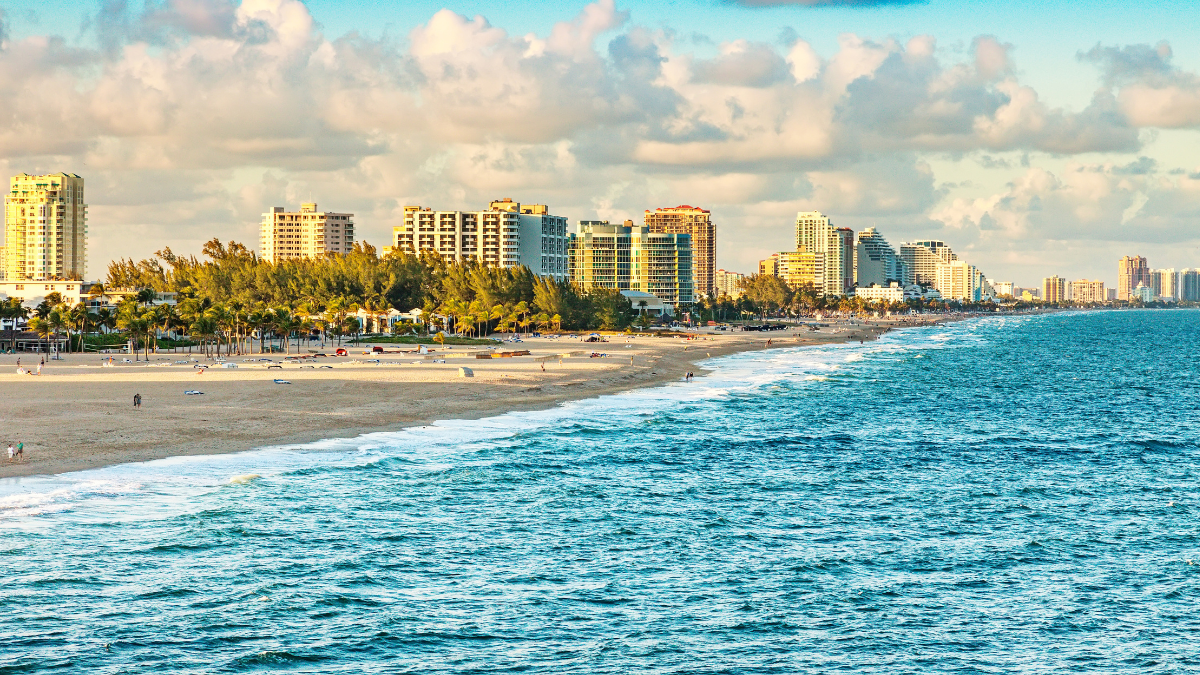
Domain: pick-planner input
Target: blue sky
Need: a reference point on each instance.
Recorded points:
(978, 123)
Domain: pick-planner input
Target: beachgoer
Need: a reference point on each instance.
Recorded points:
(39, 369)
(137, 400)
(20, 450)
(10, 452)
(43, 361)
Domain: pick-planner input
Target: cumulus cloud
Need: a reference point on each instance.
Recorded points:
(1132, 203)
(223, 109)
(1150, 91)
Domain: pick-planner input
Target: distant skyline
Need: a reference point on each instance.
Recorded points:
(1034, 138)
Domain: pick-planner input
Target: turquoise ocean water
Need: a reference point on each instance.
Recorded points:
(998, 495)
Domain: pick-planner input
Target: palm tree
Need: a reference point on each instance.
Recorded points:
(12, 310)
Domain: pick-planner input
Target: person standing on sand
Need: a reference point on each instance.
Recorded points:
(137, 400)
(20, 450)
(39, 369)
(10, 452)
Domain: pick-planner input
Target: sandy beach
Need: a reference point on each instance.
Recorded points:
(78, 414)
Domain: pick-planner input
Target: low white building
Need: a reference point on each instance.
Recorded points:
(893, 292)
(648, 303)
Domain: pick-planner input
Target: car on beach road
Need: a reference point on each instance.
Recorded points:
(341, 352)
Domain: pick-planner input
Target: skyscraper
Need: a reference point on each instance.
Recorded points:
(921, 260)
(1189, 285)
(45, 228)
(697, 222)
(630, 258)
(875, 261)
(1132, 271)
(1165, 283)
(815, 234)
(1054, 289)
(307, 233)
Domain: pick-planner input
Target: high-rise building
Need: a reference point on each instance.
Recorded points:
(815, 234)
(698, 223)
(507, 234)
(1165, 284)
(875, 261)
(1087, 292)
(959, 280)
(630, 258)
(1054, 289)
(1002, 287)
(1189, 285)
(728, 283)
(45, 228)
(307, 233)
(1132, 271)
(921, 260)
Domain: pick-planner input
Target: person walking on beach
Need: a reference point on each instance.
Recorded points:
(20, 450)
(10, 452)
(137, 400)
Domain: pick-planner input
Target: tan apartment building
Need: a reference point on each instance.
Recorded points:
(1132, 271)
(696, 222)
(816, 234)
(728, 283)
(507, 234)
(796, 268)
(1054, 289)
(45, 228)
(307, 233)
(1087, 292)
(632, 258)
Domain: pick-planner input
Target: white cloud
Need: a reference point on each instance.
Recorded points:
(197, 115)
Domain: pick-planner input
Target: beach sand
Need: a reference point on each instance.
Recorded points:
(79, 414)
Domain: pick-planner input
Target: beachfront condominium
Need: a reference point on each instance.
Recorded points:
(1054, 289)
(1165, 284)
(507, 234)
(1002, 288)
(875, 261)
(728, 283)
(931, 262)
(921, 260)
(45, 228)
(816, 234)
(960, 280)
(1088, 292)
(632, 258)
(307, 233)
(698, 223)
(1132, 271)
(1189, 285)
(797, 268)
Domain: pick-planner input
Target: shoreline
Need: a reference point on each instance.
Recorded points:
(243, 409)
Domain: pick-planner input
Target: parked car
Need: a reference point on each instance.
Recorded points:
(341, 352)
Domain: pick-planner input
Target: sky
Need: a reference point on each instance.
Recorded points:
(1034, 138)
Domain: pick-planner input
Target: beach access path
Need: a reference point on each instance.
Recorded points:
(78, 414)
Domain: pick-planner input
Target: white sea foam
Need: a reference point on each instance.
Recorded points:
(164, 486)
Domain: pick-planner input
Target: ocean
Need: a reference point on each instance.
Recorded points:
(1008, 494)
